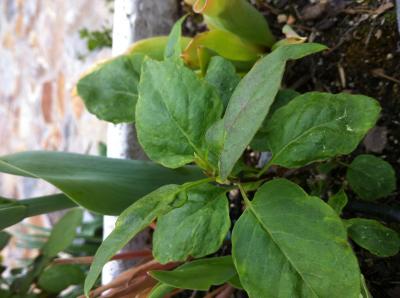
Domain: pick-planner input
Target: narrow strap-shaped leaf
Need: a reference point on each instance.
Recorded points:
(294, 244)
(134, 219)
(160, 290)
(104, 185)
(252, 99)
(13, 211)
(199, 274)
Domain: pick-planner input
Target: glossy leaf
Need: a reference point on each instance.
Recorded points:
(222, 75)
(133, 220)
(317, 126)
(198, 227)
(59, 277)
(222, 43)
(174, 110)
(252, 99)
(373, 236)
(100, 184)
(198, 275)
(371, 177)
(295, 244)
(364, 289)
(160, 291)
(338, 201)
(238, 17)
(63, 233)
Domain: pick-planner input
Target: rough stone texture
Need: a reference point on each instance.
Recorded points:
(39, 67)
(133, 20)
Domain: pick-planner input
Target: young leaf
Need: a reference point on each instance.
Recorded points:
(174, 110)
(222, 75)
(173, 48)
(63, 233)
(317, 126)
(371, 177)
(198, 275)
(110, 90)
(59, 277)
(252, 99)
(373, 236)
(133, 220)
(221, 43)
(198, 227)
(294, 244)
(236, 16)
(104, 185)
(338, 201)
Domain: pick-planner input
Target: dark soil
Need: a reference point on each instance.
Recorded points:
(364, 58)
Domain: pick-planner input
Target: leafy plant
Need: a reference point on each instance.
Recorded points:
(199, 107)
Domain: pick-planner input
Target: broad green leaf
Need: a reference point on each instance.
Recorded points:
(160, 290)
(338, 201)
(63, 233)
(174, 110)
(295, 244)
(283, 97)
(173, 48)
(133, 220)
(371, 177)
(373, 236)
(59, 277)
(252, 99)
(222, 43)
(110, 90)
(104, 185)
(198, 227)
(317, 126)
(198, 275)
(222, 75)
(4, 238)
(236, 16)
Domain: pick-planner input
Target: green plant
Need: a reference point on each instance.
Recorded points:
(202, 107)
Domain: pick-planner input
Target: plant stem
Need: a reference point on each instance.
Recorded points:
(342, 163)
(244, 195)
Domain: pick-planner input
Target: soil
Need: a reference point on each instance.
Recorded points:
(363, 58)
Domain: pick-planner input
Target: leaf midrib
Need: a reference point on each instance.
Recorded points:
(265, 228)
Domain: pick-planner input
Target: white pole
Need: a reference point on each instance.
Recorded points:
(133, 20)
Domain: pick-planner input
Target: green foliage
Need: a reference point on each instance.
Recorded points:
(192, 103)
(297, 242)
(96, 39)
(373, 236)
(59, 277)
(199, 227)
(371, 177)
(199, 274)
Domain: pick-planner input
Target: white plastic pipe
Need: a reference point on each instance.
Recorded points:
(133, 20)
